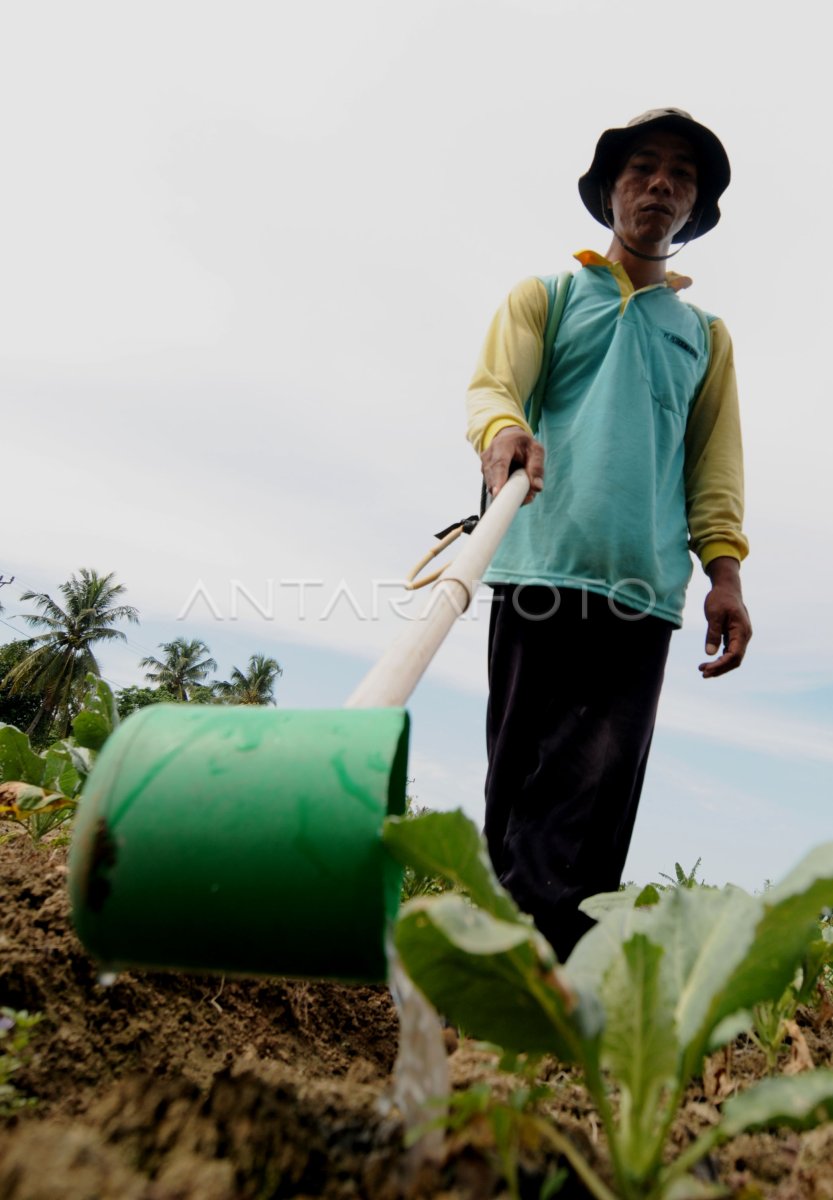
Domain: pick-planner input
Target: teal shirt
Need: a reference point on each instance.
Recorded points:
(612, 515)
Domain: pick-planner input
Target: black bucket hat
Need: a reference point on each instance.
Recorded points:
(713, 171)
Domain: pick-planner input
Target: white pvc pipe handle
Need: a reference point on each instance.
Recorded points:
(390, 682)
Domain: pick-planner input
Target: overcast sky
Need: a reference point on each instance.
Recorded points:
(251, 250)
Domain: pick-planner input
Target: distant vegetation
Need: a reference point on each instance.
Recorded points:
(43, 677)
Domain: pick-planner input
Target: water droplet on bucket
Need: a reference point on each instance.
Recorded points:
(106, 978)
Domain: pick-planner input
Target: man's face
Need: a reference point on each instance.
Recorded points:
(656, 189)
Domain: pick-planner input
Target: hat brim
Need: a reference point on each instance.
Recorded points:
(713, 173)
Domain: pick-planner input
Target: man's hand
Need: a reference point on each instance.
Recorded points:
(727, 618)
(513, 445)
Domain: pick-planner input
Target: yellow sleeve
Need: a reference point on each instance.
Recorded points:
(714, 459)
(509, 364)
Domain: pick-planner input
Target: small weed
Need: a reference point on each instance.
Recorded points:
(681, 878)
(414, 882)
(507, 1128)
(39, 824)
(15, 1031)
(63, 839)
(772, 1017)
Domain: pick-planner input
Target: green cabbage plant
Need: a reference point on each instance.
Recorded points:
(644, 997)
(41, 790)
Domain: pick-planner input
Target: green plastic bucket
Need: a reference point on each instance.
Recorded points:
(242, 840)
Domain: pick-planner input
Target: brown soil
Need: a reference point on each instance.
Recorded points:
(175, 1087)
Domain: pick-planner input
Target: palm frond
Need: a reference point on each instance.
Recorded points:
(63, 655)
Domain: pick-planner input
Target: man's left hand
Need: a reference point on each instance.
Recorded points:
(728, 621)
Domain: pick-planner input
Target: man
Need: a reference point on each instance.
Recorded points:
(637, 460)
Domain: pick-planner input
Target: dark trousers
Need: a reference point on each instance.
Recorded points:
(573, 696)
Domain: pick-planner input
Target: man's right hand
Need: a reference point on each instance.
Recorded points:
(513, 445)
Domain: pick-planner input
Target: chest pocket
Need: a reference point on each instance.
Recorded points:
(675, 364)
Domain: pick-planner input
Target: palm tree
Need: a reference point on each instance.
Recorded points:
(182, 667)
(256, 685)
(63, 655)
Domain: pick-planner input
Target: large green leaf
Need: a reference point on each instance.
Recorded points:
(23, 798)
(81, 758)
(448, 844)
(786, 926)
(725, 950)
(729, 1028)
(817, 956)
(18, 761)
(98, 716)
(602, 903)
(593, 955)
(800, 1101)
(494, 978)
(639, 1047)
(61, 772)
(706, 934)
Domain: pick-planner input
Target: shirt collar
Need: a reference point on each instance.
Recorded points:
(589, 258)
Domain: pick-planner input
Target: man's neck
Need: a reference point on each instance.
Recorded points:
(641, 272)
